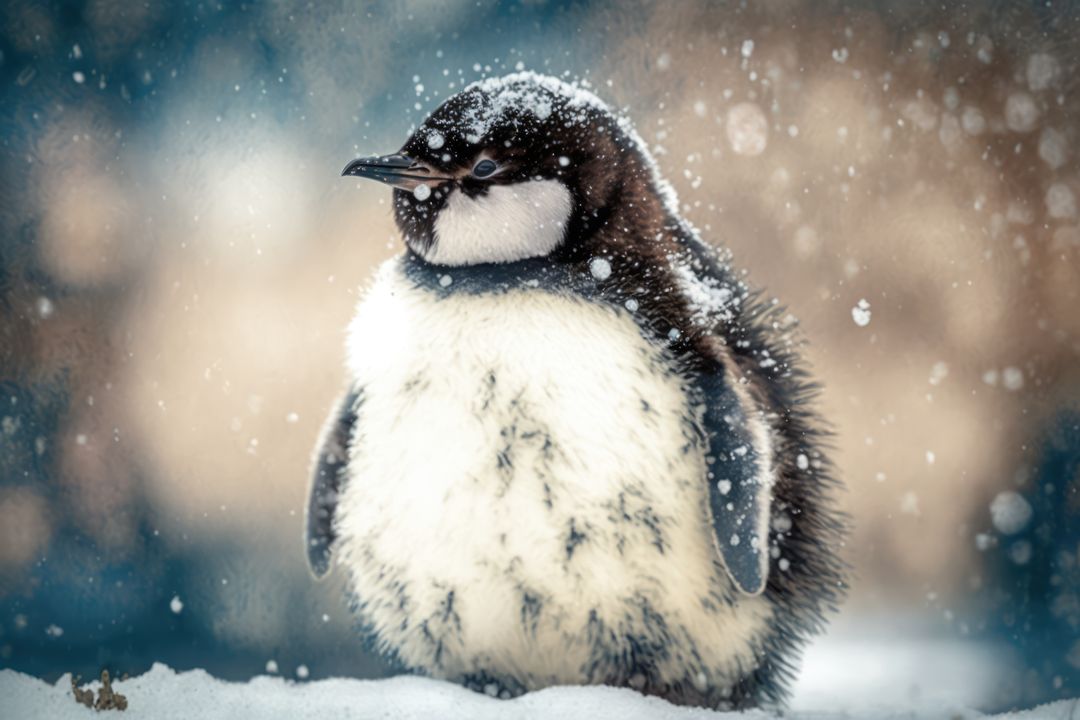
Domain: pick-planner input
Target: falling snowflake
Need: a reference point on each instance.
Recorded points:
(747, 129)
(861, 313)
(1021, 112)
(1012, 378)
(1010, 512)
(600, 268)
(1042, 71)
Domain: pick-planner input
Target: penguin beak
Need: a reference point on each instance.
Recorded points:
(399, 171)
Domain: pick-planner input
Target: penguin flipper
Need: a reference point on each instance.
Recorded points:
(739, 477)
(331, 467)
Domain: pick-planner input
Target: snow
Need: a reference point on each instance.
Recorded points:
(9, 425)
(1053, 148)
(422, 192)
(1021, 112)
(1012, 378)
(528, 93)
(45, 308)
(922, 113)
(708, 297)
(1020, 552)
(524, 92)
(973, 121)
(950, 133)
(1074, 654)
(951, 98)
(939, 372)
(861, 313)
(747, 129)
(600, 268)
(1042, 71)
(1019, 214)
(1060, 201)
(1010, 512)
(176, 605)
(164, 694)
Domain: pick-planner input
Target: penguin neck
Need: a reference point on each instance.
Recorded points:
(537, 273)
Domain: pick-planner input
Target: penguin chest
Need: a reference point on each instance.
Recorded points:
(526, 493)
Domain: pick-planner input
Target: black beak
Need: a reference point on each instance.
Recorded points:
(398, 170)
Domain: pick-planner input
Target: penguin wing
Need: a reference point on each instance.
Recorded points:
(740, 469)
(328, 479)
(739, 476)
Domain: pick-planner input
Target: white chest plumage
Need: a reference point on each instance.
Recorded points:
(525, 494)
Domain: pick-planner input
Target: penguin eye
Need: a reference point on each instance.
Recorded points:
(484, 168)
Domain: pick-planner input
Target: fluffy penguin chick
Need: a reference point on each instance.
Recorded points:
(575, 448)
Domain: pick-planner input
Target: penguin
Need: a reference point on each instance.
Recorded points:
(576, 447)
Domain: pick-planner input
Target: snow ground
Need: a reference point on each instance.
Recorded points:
(893, 662)
(858, 670)
(163, 694)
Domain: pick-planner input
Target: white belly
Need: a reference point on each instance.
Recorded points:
(526, 493)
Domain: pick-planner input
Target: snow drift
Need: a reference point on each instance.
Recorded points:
(163, 694)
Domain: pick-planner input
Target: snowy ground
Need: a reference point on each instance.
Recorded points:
(858, 670)
(163, 694)
(896, 661)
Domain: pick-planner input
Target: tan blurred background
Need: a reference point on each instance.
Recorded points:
(182, 262)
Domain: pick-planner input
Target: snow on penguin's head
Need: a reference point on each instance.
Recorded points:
(510, 168)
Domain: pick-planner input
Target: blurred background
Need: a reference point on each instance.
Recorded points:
(179, 259)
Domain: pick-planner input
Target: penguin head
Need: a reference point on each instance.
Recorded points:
(510, 168)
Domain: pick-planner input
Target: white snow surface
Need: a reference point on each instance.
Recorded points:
(526, 92)
(163, 694)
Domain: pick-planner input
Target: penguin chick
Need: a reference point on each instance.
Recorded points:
(575, 448)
